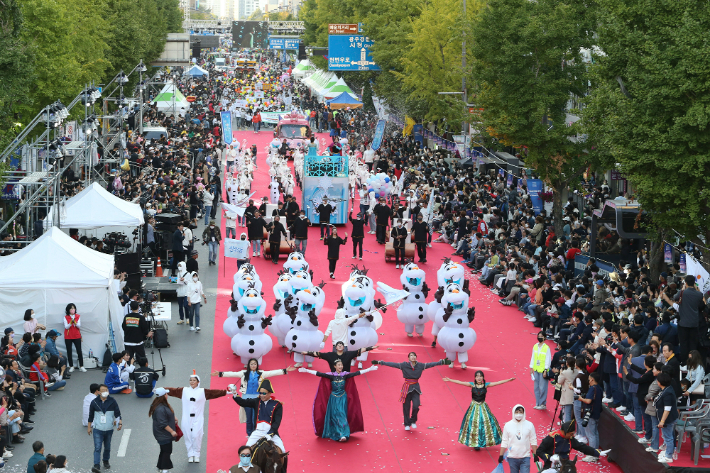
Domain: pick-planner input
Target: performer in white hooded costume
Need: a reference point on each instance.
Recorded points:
(193, 413)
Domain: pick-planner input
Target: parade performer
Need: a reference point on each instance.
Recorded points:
(336, 409)
(479, 427)
(269, 413)
(414, 309)
(412, 371)
(305, 336)
(193, 411)
(339, 354)
(251, 379)
(454, 316)
(560, 443)
(449, 272)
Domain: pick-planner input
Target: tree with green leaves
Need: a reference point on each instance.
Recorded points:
(527, 65)
(649, 111)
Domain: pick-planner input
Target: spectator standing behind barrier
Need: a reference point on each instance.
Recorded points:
(104, 414)
(72, 336)
(687, 302)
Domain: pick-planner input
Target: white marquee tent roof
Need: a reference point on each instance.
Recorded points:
(56, 261)
(95, 207)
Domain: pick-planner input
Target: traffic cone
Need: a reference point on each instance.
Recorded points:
(158, 269)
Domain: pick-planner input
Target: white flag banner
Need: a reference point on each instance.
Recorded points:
(391, 294)
(233, 208)
(236, 248)
(702, 277)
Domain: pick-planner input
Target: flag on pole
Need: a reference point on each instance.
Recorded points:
(391, 294)
(702, 277)
(236, 248)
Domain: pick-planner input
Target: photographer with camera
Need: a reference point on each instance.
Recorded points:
(560, 443)
(591, 414)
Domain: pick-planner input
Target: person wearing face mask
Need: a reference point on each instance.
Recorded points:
(518, 438)
(164, 428)
(358, 232)
(212, 236)
(420, 230)
(539, 365)
(299, 231)
(194, 291)
(104, 414)
(193, 412)
(113, 376)
(31, 324)
(244, 465)
(399, 237)
(72, 336)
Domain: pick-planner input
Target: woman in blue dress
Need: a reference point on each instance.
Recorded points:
(479, 427)
(335, 425)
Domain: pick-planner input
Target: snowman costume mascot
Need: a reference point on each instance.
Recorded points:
(296, 262)
(449, 272)
(305, 336)
(251, 341)
(454, 317)
(413, 312)
(362, 333)
(282, 290)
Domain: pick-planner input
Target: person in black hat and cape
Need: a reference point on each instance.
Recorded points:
(268, 415)
(559, 444)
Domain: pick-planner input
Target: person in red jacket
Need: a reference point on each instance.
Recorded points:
(256, 120)
(72, 336)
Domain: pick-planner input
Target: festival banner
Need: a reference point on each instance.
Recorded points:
(535, 187)
(682, 263)
(227, 126)
(702, 277)
(667, 253)
(379, 134)
(236, 248)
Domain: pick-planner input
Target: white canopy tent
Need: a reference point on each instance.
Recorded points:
(50, 273)
(171, 101)
(197, 71)
(338, 88)
(95, 207)
(303, 68)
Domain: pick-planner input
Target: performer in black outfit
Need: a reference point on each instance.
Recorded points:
(333, 243)
(412, 371)
(276, 229)
(340, 353)
(382, 218)
(399, 235)
(324, 210)
(358, 233)
(420, 232)
(292, 210)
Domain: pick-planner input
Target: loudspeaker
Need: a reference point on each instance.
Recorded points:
(129, 263)
(172, 219)
(302, 51)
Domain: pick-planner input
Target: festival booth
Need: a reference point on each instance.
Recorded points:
(52, 272)
(197, 71)
(344, 100)
(95, 207)
(171, 101)
(340, 87)
(303, 68)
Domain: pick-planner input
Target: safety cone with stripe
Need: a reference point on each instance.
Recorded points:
(158, 269)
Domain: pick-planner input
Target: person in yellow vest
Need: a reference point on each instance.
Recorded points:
(539, 366)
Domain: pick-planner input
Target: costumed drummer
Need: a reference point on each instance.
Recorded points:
(559, 443)
(409, 397)
(268, 415)
(193, 412)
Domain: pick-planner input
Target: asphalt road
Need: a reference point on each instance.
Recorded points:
(133, 449)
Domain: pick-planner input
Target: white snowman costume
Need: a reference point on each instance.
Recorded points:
(362, 332)
(282, 289)
(449, 272)
(229, 326)
(296, 262)
(251, 341)
(305, 336)
(274, 186)
(413, 312)
(454, 317)
(193, 414)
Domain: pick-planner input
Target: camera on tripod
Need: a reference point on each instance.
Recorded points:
(116, 240)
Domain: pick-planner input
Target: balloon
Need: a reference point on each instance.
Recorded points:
(387, 179)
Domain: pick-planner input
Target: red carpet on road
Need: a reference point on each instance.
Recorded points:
(503, 350)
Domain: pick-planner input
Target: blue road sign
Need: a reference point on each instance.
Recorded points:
(350, 53)
(284, 43)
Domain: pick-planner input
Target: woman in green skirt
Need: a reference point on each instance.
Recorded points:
(479, 427)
